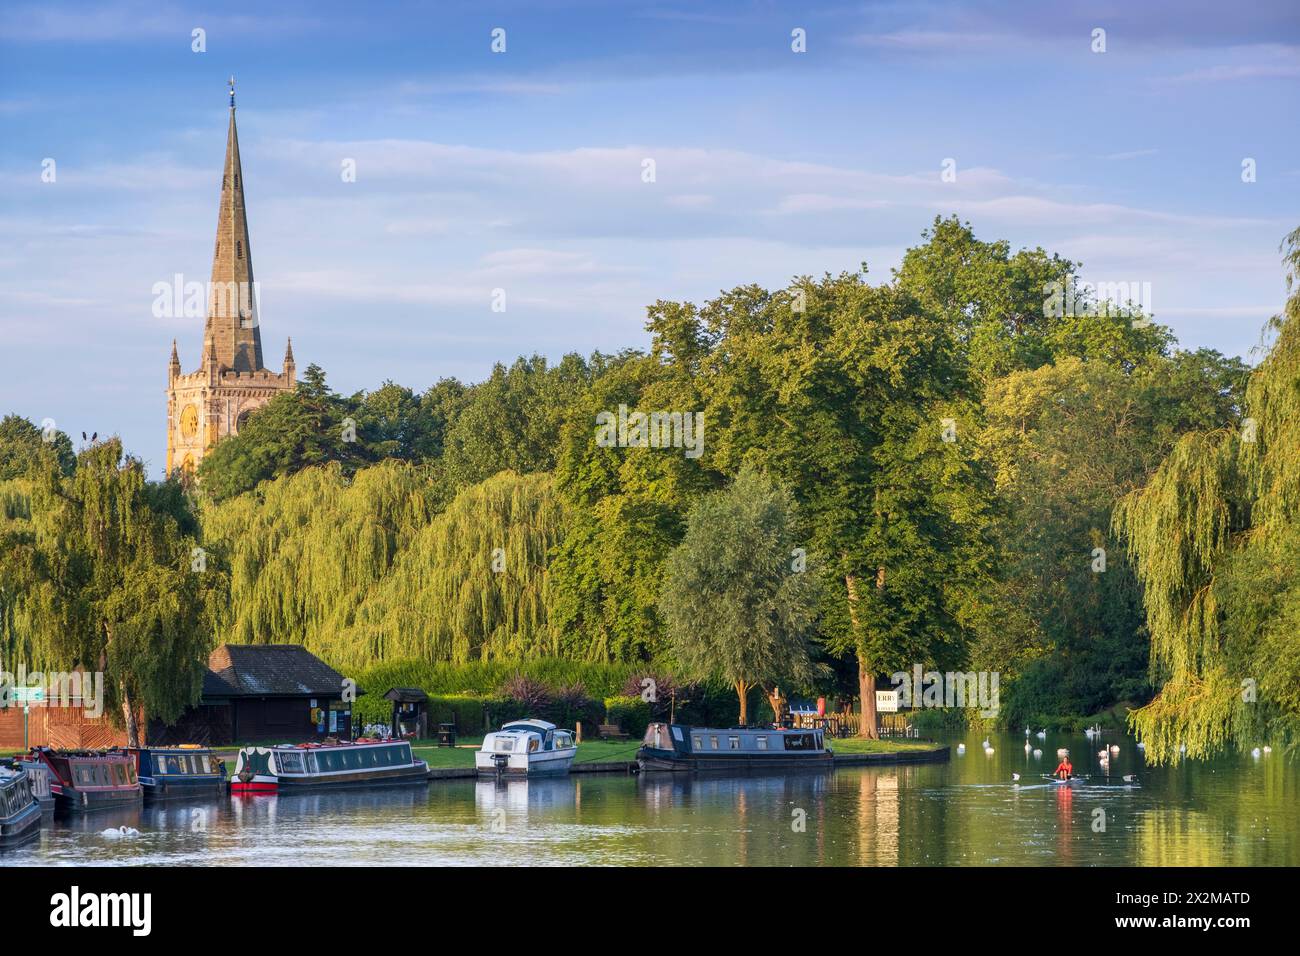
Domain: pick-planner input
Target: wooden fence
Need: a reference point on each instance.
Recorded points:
(62, 727)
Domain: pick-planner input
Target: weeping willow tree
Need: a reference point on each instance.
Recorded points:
(304, 550)
(97, 574)
(1215, 539)
(472, 585)
(369, 569)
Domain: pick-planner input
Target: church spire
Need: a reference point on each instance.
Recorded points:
(232, 305)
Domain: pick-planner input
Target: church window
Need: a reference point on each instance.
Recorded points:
(239, 249)
(225, 182)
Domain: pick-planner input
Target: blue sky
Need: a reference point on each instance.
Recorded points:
(522, 170)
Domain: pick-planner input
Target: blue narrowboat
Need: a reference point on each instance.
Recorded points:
(183, 771)
(679, 747)
(20, 811)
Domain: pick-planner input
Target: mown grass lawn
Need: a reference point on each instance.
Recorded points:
(462, 755)
(889, 745)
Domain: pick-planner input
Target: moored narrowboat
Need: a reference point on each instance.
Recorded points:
(528, 748)
(187, 770)
(38, 778)
(289, 768)
(680, 747)
(86, 780)
(20, 812)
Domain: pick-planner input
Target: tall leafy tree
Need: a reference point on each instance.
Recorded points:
(1214, 536)
(735, 605)
(22, 443)
(114, 583)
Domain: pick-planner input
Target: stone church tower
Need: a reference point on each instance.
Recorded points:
(208, 404)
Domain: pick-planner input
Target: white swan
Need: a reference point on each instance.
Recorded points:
(1037, 752)
(1015, 776)
(1130, 778)
(961, 748)
(1114, 748)
(1255, 753)
(119, 833)
(1042, 734)
(1268, 749)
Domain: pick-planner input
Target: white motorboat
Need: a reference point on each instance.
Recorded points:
(526, 748)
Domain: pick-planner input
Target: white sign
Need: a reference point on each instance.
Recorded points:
(886, 701)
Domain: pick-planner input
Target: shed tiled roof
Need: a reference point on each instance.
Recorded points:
(268, 670)
(406, 695)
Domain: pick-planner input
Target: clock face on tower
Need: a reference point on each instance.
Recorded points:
(189, 422)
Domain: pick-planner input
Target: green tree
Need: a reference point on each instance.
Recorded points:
(22, 443)
(734, 606)
(1214, 538)
(305, 427)
(114, 584)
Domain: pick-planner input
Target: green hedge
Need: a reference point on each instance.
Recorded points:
(631, 714)
(484, 678)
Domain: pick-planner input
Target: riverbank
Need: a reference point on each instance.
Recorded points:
(607, 756)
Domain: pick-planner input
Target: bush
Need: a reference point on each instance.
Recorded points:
(372, 709)
(631, 714)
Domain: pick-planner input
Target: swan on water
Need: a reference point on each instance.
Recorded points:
(1130, 778)
(1037, 752)
(961, 748)
(1268, 749)
(1042, 734)
(1255, 753)
(119, 833)
(1114, 748)
(1015, 776)
(988, 751)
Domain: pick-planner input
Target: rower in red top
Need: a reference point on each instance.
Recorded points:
(1065, 769)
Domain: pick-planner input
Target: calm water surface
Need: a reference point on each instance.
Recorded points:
(1236, 810)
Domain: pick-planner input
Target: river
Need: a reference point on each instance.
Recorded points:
(1234, 810)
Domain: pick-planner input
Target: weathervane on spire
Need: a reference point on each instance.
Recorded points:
(232, 91)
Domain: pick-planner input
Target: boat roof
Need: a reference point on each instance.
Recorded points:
(327, 745)
(531, 722)
(692, 728)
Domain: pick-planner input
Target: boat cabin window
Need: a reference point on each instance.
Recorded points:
(800, 741)
(733, 743)
(290, 763)
(762, 742)
(699, 742)
(505, 744)
(713, 741)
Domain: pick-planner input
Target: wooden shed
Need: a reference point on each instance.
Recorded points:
(264, 692)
